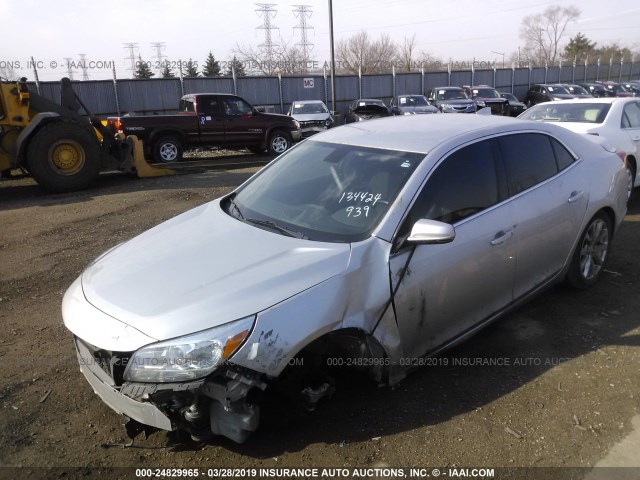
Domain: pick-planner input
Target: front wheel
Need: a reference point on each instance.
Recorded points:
(167, 149)
(279, 142)
(64, 156)
(591, 253)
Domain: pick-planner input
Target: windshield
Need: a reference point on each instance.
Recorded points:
(457, 94)
(412, 101)
(568, 112)
(486, 93)
(308, 108)
(325, 192)
(557, 89)
(577, 90)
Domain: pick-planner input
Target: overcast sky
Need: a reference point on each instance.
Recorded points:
(463, 31)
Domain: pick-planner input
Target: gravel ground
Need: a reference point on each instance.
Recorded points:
(566, 398)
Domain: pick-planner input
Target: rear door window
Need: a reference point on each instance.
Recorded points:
(529, 159)
(631, 116)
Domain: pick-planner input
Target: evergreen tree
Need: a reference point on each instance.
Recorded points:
(237, 65)
(167, 72)
(143, 69)
(211, 67)
(192, 69)
(579, 47)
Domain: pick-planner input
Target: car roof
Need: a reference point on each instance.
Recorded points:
(307, 101)
(421, 133)
(596, 100)
(447, 88)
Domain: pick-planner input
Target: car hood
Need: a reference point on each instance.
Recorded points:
(419, 109)
(309, 117)
(456, 102)
(371, 109)
(203, 269)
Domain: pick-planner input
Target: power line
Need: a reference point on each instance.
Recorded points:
(83, 66)
(159, 46)
(303, 12)
(267, 12)
(132, 47)
(69, 70)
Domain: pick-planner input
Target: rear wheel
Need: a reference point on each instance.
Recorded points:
(631, 177)
(591, 253)
(64, 156)
(279, 142)
(167, 149)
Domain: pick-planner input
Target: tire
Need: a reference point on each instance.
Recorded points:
(591, 252)
(279, 142)
(64, 156)
(167, 150)
(256, 149)
(631, 178)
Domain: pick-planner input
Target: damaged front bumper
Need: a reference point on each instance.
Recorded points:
(215, 405)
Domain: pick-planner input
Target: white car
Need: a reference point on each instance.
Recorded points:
(370, 245)
(617, 120)
(313, 116)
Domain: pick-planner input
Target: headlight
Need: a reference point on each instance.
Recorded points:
(445, 105)
(328, 122)
(190, 357)
(480, 103)
(407, 113)
(296, 124)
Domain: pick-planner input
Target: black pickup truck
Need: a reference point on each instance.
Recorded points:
(210, 119)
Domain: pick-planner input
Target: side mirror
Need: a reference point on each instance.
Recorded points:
(427, 232)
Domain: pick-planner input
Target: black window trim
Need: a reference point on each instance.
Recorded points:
(396, 249)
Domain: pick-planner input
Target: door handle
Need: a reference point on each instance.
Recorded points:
(636, 139)
(575, 196)
(502, 237)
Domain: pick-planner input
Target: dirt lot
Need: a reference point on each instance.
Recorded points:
(567, 396)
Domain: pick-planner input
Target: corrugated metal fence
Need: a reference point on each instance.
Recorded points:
(160, 96)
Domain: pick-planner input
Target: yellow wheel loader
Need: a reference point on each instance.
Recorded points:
(61, 149)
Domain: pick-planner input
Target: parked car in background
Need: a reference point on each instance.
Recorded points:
(546, 93)
(488, 97)
(634, 88)
(615, 119)
(617, 89)
(366, 109)
(411, 104)
(597, 90)
(452, 100)
(312, 115)
(374, 247)
(576, 90)
(516, 107)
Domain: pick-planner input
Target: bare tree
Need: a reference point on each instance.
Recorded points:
(544, 32)
(7, 71)
(286, 59)
(359, 51)
(408, 53)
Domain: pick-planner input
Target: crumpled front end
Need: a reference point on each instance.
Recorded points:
(219, 404)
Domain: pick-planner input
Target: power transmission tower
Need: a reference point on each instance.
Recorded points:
(159, 46)
(132, 56)
(69, 70)
(83, 65)
(267, 12)
(303, 12)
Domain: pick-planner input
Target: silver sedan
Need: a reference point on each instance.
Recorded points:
(371, 245)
